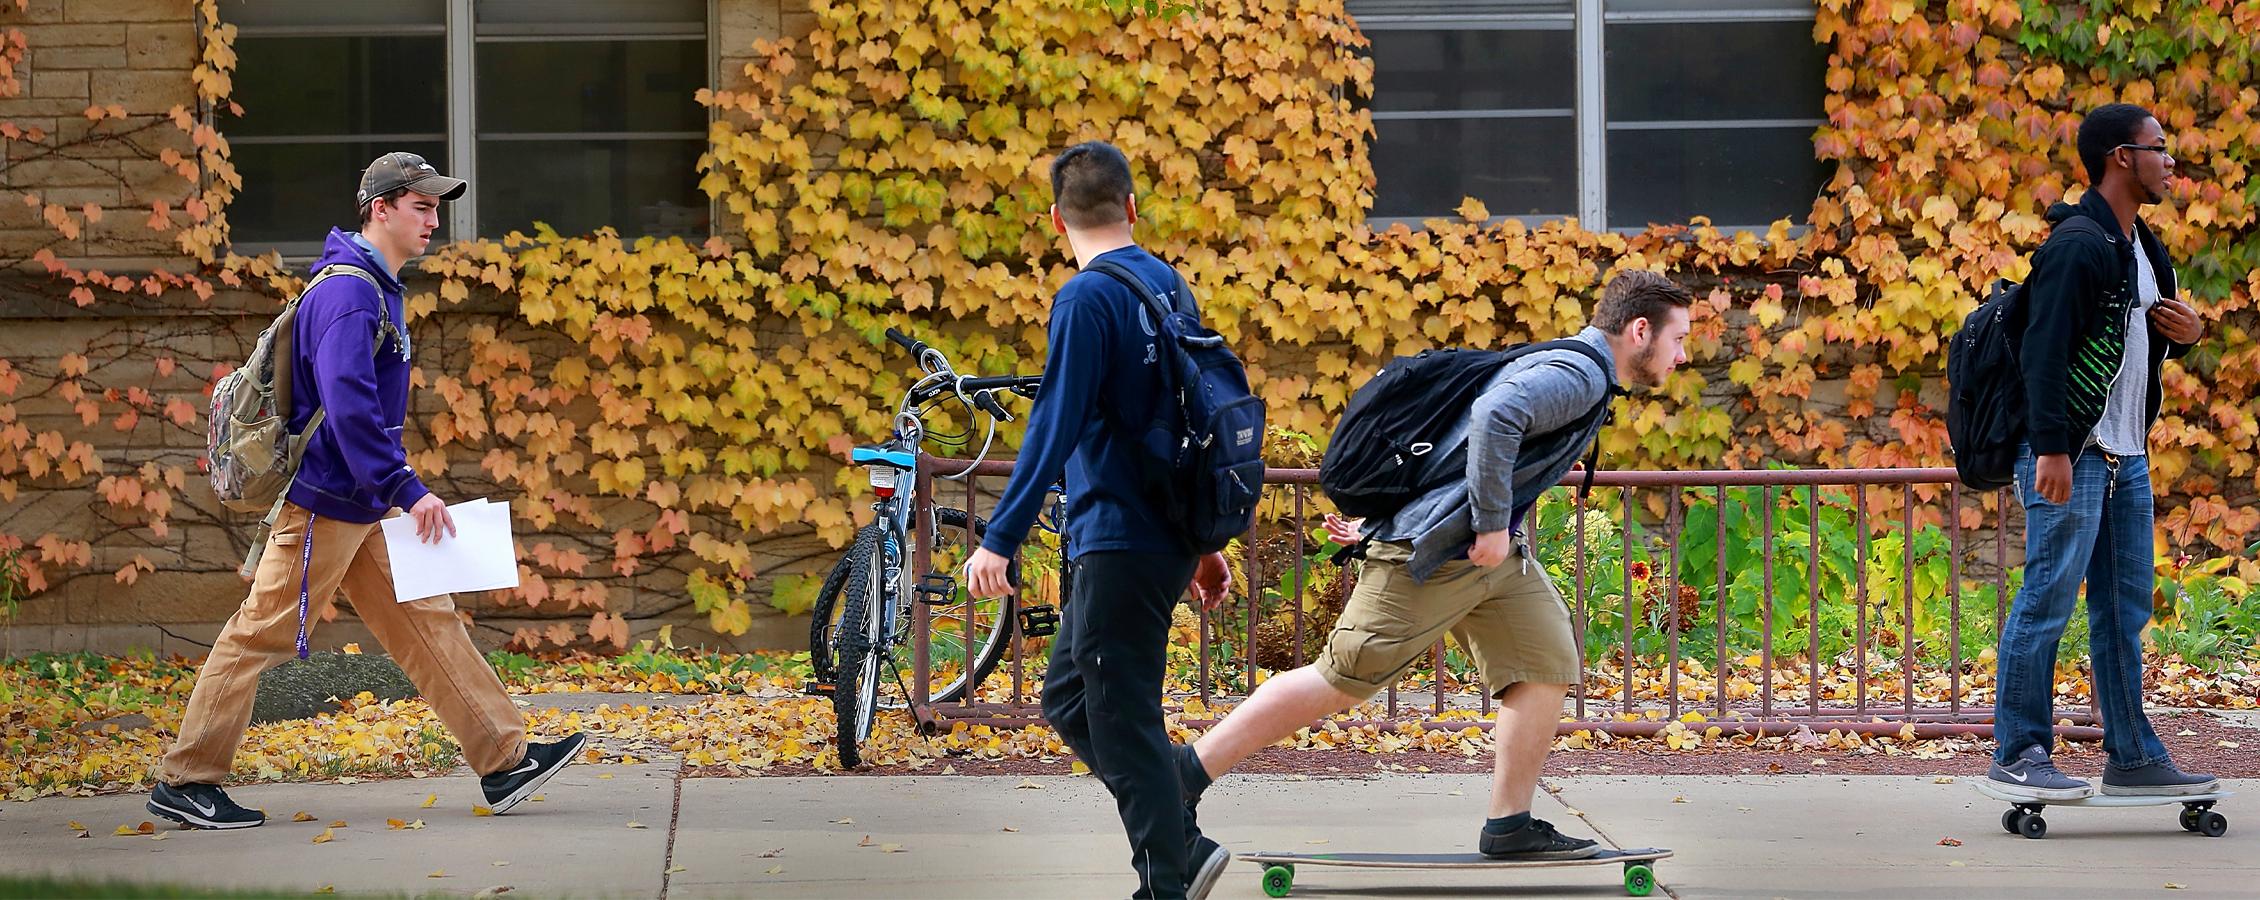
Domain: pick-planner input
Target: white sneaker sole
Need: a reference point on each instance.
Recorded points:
(192, 820)
(2026, 792)
(1205, 878)
(2161, 790)
(527, 790)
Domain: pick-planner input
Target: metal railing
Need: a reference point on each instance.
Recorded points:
(1621, 708)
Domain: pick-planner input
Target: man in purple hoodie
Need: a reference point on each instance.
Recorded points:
(352, 363)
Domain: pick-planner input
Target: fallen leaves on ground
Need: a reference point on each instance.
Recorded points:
(325, 837)
(1949, 842)
(751, 719)
(302, 816)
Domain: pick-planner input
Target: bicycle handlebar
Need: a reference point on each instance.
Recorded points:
(916, 347)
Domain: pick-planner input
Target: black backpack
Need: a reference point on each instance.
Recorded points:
(1985, 400)
(1205, 441)
(1385, 452)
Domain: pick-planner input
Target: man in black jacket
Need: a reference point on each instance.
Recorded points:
(2102, 318)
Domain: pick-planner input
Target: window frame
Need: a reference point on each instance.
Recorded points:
(462, 36)
(1590, 19)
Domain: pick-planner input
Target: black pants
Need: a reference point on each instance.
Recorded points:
(1103, 694)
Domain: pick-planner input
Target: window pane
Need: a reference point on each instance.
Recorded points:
(1425, 167)
(300, 13)
(1473, 69)
(637, 187)
(1748, 176)
(298, 192)
(340, 86)
(1737, 70)
(576, 86)
(589, 16)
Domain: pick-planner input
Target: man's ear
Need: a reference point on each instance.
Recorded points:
(1130, 209)
(1059, 223)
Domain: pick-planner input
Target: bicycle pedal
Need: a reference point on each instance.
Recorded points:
(819, 688)
(1039, 621)
(936, 588)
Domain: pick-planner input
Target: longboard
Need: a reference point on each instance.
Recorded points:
(2024, 814)
(1279, 868)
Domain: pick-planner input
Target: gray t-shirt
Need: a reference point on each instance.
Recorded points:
(2123, 430)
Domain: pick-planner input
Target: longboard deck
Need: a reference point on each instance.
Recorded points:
(1449, 860)
(1989, 790)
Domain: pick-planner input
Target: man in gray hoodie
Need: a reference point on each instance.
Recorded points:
(1457, 560)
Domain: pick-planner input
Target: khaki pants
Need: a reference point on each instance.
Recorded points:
(1509, 617)
(426, 637)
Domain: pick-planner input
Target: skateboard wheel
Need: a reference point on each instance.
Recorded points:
(2033, 826)
(2012, 817)
(1639, 880)
(2190, 818)
(1278, 880)
(2212, 824)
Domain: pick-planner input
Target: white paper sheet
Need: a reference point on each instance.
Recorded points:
(481, 556)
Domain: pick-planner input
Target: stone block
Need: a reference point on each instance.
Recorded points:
(54, 59)
(97, 34)
(741, 22)
(161, 46)
(44, 173)
(33, 106)
(114, 640)
(24, 640)
(797, 24)
(130, 11)
(66, 84)
(33, 12)
(144, 91)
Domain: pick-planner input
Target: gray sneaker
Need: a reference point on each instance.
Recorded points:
(2159, 779)
(2032, 776)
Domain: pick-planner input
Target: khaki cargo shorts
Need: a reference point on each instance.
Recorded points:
(1509, 617)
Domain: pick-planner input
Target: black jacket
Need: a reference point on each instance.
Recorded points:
(2075, 336)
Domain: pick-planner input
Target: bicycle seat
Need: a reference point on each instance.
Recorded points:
(900, 459)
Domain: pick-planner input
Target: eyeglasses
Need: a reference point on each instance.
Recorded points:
(2154, 148)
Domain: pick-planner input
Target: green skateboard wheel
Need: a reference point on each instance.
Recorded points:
(1639, 880)
(1278, 880)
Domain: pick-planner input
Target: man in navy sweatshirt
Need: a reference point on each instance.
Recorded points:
(351, 361)
(1103, 688)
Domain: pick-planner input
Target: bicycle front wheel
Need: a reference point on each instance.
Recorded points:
(855, 694)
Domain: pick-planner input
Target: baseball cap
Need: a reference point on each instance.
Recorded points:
(397, 170)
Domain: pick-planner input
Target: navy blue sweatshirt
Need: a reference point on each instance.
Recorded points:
(1100, 380)
(355, 469)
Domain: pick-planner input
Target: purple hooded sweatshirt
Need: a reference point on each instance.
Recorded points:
(354, 469)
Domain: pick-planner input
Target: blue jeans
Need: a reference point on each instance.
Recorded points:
(2102, 535)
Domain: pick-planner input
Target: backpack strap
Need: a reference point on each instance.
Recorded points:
(1160, 308)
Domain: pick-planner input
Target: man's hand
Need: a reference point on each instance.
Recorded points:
(1344, 531)
(1212, 581)
(431, 517)
(2178, 321)
(985, 575)
(1491, 548)
(2052, 477)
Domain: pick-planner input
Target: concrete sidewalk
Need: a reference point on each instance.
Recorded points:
(952, 836)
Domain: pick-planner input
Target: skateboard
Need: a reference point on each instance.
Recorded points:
(2023, 816)
(1279, 868)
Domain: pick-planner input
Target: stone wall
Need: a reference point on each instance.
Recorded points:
(138, 55)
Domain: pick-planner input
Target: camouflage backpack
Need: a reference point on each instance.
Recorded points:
(253, 457)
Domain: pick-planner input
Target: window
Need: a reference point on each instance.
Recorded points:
(577, 113)
(1622, 113)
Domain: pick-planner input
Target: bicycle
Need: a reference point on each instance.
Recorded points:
(871, 587)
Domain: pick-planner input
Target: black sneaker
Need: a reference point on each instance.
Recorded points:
(1208, 860)
(1537, 840)
(512, 786)
(2159, 779)
(201, 806)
